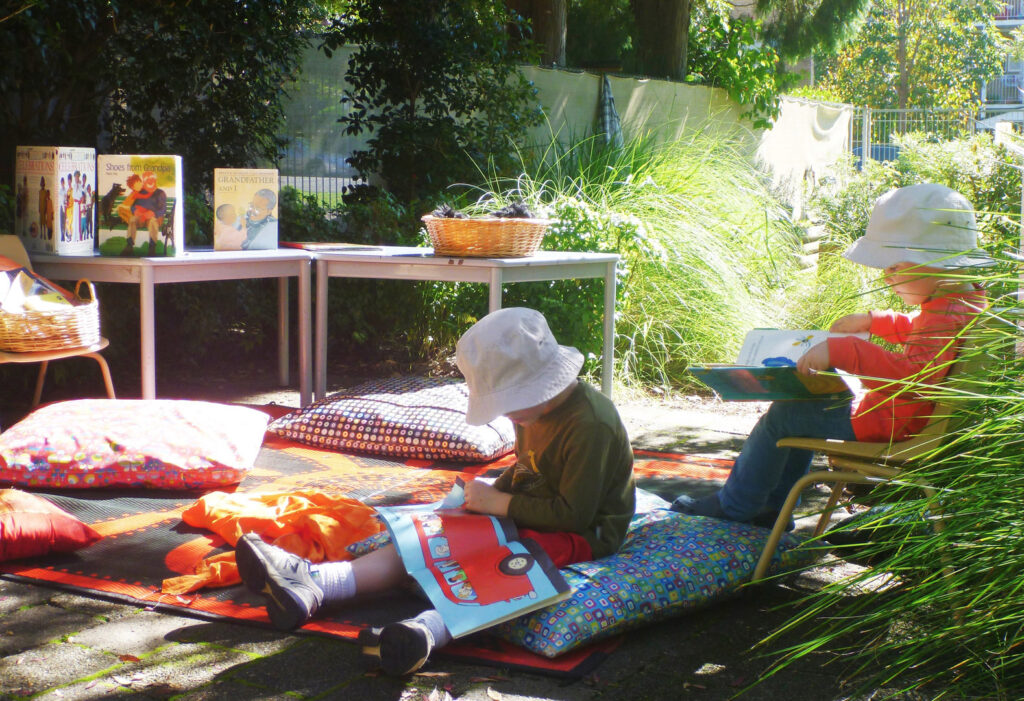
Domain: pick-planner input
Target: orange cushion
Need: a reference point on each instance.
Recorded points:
(31, 526)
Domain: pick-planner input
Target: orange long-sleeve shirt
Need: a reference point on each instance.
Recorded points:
(888, 412)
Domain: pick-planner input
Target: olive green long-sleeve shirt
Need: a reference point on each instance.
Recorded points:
(574, 472)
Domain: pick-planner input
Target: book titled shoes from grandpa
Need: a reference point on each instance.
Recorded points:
(141, 210)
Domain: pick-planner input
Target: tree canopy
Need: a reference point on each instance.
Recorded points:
(436, 89)
(917, 53)
(199, 78)
(799, 28)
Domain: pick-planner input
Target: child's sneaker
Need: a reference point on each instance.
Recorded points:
(283, 578)
(399, 648)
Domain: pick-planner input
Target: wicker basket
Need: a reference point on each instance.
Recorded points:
(76, 326)
(485, 238)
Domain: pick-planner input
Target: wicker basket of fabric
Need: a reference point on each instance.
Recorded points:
(75, 326)
(485, 238)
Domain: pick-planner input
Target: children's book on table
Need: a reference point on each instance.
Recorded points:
(473, 567)
(765, 369)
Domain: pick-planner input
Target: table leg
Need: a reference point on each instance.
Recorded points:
(282, 331)
(147, 331)
(494, 291)
(305, 349)
(608, 360)
(320, 344)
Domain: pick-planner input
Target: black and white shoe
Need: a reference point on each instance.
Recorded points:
(284, 579)
(398, 648)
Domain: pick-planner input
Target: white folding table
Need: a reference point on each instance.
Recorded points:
(199, 266)
(405, 263)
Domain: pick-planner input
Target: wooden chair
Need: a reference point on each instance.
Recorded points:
(862, 463)
(11, 247)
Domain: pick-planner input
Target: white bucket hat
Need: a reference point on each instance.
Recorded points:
(511, 361)
(927, 224)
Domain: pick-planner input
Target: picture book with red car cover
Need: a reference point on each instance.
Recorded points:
(473, 567)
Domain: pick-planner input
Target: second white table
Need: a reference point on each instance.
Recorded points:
(405, 263)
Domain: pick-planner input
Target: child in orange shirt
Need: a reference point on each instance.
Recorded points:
(916, 235)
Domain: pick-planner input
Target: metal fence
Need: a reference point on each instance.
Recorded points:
(1011, 9)
(314, 161)
(872, 130)
(1005, 88)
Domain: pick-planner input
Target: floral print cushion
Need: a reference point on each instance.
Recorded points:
(157, 443)
(403, 417)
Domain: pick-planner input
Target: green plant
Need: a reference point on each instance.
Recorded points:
(436, 90)
(201, 79)
(725, 52)
(901, 56)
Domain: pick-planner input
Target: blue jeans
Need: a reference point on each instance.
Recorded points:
(763, 474)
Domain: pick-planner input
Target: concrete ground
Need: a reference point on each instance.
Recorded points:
(55, 645)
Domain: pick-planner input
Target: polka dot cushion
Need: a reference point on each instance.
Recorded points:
(406, 417)
(157, 443)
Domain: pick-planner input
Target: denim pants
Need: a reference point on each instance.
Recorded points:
(763, 474)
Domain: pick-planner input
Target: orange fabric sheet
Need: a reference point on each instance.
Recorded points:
(310, 523)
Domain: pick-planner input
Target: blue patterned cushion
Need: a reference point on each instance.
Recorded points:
(670, 563)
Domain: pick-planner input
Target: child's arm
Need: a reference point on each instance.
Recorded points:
(852, 323)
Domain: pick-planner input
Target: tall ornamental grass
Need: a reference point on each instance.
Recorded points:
(941, 609)
(706, 248)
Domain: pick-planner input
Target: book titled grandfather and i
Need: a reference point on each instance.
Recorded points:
(245, 209)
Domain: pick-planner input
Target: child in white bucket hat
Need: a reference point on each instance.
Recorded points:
(916, 235)
(571, 489)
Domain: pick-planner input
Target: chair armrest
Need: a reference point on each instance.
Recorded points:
(831, 446)
(896, 453)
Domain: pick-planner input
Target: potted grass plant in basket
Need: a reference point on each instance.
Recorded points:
(510, 232)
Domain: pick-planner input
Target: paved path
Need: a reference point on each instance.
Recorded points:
(55, 645)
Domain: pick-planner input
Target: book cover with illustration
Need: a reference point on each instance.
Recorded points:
(141, 210)
(55, 198)
(472, 567)
(765, 369)
(245, 209)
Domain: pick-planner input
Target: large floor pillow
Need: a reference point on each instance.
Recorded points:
(669, 564)
(404, 417)
(159, 443)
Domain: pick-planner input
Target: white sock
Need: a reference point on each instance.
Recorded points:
(431, 618)
(336, 579)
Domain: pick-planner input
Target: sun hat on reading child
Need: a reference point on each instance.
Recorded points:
(927, 224)
(511, 361)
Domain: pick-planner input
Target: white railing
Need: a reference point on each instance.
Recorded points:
(872, 129)
(1005, 88)
(1012, 9)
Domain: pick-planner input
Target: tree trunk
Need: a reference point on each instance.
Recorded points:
(547, 17)
(663, 29)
